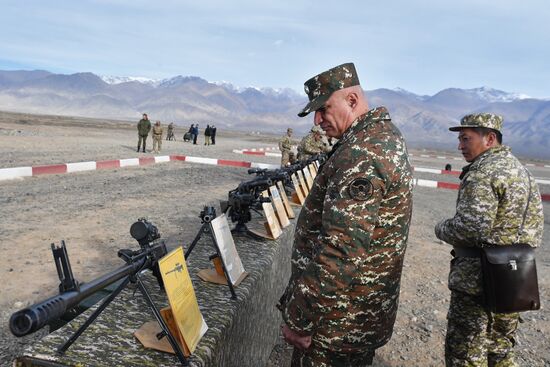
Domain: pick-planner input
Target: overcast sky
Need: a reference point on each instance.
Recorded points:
(421, 46)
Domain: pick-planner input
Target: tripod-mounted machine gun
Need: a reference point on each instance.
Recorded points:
(245, 198)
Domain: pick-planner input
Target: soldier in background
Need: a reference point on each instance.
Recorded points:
(195, 133)
(341, 300)
(213, 134)
(312, 144)
(170, 134)
(207, 133)
(285, 146)
(491, 205)
(157, 137)
(143, 127)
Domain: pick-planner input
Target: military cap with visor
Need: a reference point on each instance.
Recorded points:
(320, 87)
(487, 120)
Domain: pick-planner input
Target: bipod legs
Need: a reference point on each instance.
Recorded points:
(63, 348)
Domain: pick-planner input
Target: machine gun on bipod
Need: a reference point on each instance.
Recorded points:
(72, 292)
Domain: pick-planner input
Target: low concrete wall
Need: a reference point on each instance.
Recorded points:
(242, 332)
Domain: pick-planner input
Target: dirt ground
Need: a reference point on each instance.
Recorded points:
(93, 211)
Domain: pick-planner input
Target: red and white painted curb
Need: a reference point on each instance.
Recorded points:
(453, 186)
(19, 172)
(462, 159)
(256, 152)
(260, 149)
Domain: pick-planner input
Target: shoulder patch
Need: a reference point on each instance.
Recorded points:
(360, 189)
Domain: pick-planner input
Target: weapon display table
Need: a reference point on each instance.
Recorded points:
(241, 332)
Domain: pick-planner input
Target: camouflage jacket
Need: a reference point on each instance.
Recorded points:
(350, 240)
(309, 147)
(490, 206)
(144, 126)
(157, 130)
(285, 144)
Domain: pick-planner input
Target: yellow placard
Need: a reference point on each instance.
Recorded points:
(182, 298)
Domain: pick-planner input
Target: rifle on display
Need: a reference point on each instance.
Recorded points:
(244, 199)
(72, 292)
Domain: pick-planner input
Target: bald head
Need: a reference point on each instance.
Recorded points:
(342, 108)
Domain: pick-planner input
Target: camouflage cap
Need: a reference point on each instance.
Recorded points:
(320, 87)
(488, 120)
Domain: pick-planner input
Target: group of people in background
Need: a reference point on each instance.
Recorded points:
(209, 134)
(144, 126)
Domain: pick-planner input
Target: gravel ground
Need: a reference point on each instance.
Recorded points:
(92, 212)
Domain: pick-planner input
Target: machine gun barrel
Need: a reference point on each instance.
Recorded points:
(35, 317)
(258, 184)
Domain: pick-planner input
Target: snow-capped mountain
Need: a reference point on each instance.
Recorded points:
(424, 120)
(113, 80)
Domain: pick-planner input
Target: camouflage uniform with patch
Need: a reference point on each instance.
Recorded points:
(491, 202)
(309, 146)
(350, 243)
(285, 146)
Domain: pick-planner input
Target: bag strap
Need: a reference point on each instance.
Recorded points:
(520, 232)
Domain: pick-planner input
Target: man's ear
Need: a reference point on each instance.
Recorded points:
(352, 99)
(491, 139)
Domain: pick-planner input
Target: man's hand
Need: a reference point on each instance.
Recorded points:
(293, 338)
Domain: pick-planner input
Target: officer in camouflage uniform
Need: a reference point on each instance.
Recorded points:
(341, 300)
(143, 127)
(285, 146)
(491, 203)
(312, 144)
(157, 137)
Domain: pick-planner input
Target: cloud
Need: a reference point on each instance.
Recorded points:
(278, 43)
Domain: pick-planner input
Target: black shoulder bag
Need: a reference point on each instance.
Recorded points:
(510, 275)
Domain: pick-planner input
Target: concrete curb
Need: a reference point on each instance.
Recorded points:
(20, 172)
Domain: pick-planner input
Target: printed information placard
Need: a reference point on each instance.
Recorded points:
(272, 222)
(298, 196)
(279, 206)
(228, 251)
(288, 208)
(182, 298)
(308, 178)
(302, 180)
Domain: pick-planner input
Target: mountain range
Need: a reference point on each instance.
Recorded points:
(423, 119)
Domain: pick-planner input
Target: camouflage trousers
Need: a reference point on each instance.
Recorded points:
(319, 357)
(287, 157)
(476, 337)
(157, 143)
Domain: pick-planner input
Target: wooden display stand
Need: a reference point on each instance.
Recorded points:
(297, 197)
(288, 208)
(148, 334)
(279, 207)
(272, 228)
(217, 275)
(303, 184)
